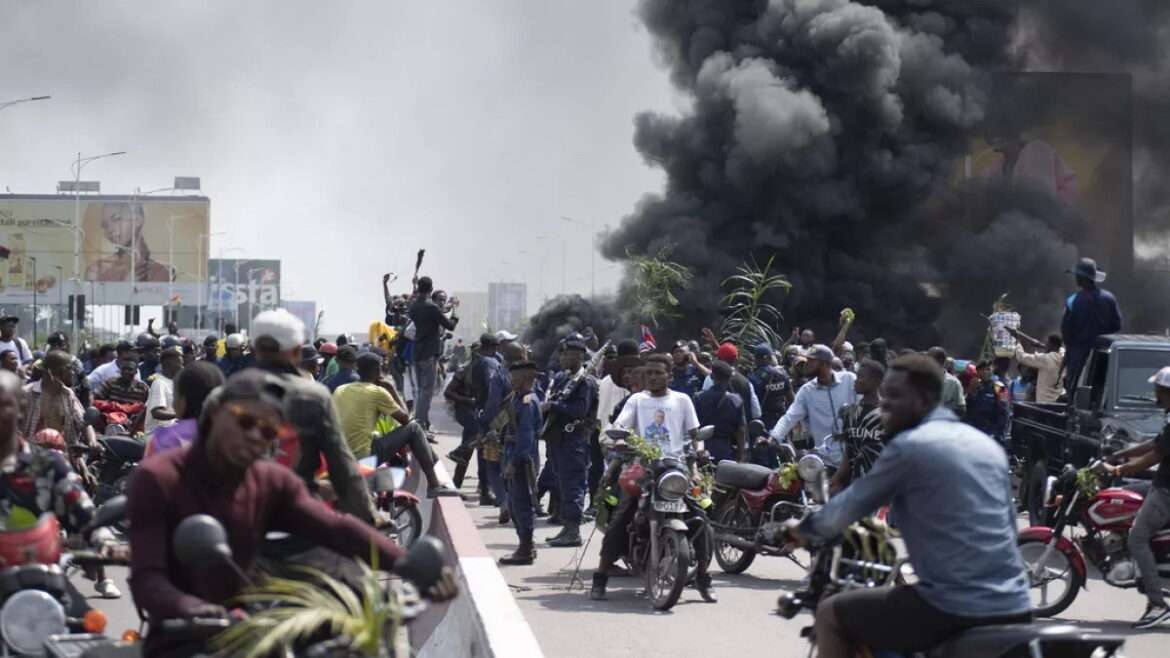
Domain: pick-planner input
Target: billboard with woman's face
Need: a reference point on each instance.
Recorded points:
(133, 250)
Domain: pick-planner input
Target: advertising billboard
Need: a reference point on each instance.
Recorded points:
(243, 287)
(132, 250)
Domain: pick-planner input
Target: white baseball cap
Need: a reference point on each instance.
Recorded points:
(1161, 378)
(285, 328)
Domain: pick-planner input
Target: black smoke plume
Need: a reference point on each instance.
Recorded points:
(563, 315)
(827, 133)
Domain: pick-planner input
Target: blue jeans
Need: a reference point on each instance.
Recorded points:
(570, 457)
(424, 379)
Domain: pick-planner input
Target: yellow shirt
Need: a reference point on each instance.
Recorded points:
(359, 406)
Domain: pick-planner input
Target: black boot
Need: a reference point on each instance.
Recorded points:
(599, 582)
(706, 589)
(525, 555)
(540, 513)
(560, 533)
(570, 537)
(505, 516)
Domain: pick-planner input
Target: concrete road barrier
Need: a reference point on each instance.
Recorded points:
(484, 620)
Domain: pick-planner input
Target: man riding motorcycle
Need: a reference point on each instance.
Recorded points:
(950, 490)
(1155, 511)
(35, 480)
(226, 474)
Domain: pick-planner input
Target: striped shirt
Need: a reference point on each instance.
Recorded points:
(115, 390)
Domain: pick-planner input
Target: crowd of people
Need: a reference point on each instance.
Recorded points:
(263, 430)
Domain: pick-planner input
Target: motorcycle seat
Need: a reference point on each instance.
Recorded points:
(998, 640)
(126, 449)
(742, 476)
(1141, 487)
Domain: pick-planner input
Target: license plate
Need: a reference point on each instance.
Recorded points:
(670, 506)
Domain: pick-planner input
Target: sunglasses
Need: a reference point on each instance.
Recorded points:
(249, 422)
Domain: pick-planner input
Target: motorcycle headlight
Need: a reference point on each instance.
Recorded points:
(28, 618)
(810, 467)
(672, 485)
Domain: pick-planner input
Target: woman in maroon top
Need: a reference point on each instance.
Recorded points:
(226, 473)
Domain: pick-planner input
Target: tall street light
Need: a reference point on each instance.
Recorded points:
(36, 301)
(201, 262)
(592, 252)
(77, 167)
(8, 104)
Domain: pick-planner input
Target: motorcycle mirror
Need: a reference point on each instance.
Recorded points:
(200, 542)
(618, 433)
(705, 432)
(113, 511)
(92, 415)
(423, 564)
(757, 428)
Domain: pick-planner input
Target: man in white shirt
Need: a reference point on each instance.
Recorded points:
(160, 405)
(818, 404)
(10, 341)
(666, 418)
(1048, 364)
(111, 370)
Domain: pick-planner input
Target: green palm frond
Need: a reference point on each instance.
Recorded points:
(295, 609)
(747, 318)
(656, 279)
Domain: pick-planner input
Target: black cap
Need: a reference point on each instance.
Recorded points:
(575, 345)
(627, 347)
(124, 346)
(522, 365)
(57, 338)
(254, 384)
(309, 353)
(9, 318)
(721, 370)
(210, 340)
(488, 340)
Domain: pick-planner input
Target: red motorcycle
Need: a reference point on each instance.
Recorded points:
(752, 502)
(1100, 519)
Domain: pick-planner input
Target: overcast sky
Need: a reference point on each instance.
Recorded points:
(341, 137)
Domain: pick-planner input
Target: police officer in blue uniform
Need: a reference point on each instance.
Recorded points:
(723, 409)
(571, 410)
(775, 391)
(520, 459)
(688, 374)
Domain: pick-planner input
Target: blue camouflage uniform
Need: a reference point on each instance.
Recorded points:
(568, 443)
(520, 452)
(687, 380)
(498, 383)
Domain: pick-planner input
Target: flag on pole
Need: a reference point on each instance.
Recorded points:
(648, 344)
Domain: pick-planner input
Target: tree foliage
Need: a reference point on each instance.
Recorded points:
(656, 282)
(747, 318)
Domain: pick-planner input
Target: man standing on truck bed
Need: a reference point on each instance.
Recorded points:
(1088, 313)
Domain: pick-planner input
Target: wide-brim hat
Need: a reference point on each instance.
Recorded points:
(1087, 268)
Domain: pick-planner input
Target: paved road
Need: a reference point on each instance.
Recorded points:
(569, 625)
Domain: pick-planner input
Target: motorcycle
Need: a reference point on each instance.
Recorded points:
(201, 543)
(403, 520)
(670, 521)
(1105, 515)
(866, 557)
(112, 461)
(752, 502)
(40, 612)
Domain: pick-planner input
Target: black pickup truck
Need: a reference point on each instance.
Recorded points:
(1112, 407)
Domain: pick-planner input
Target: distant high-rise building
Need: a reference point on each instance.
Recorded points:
(507, 306)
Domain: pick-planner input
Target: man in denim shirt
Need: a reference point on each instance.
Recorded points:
(949, 487)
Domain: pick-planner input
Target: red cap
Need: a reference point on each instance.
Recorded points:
(727, 352)
(328, 348)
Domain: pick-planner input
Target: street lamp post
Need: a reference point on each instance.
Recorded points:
(8, 104)
(200, 263)
(592, 252)
(77, 166)
(236, 291)
(60, 294)
(36, 300)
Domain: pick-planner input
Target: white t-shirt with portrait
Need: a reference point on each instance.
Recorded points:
(665, 421)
